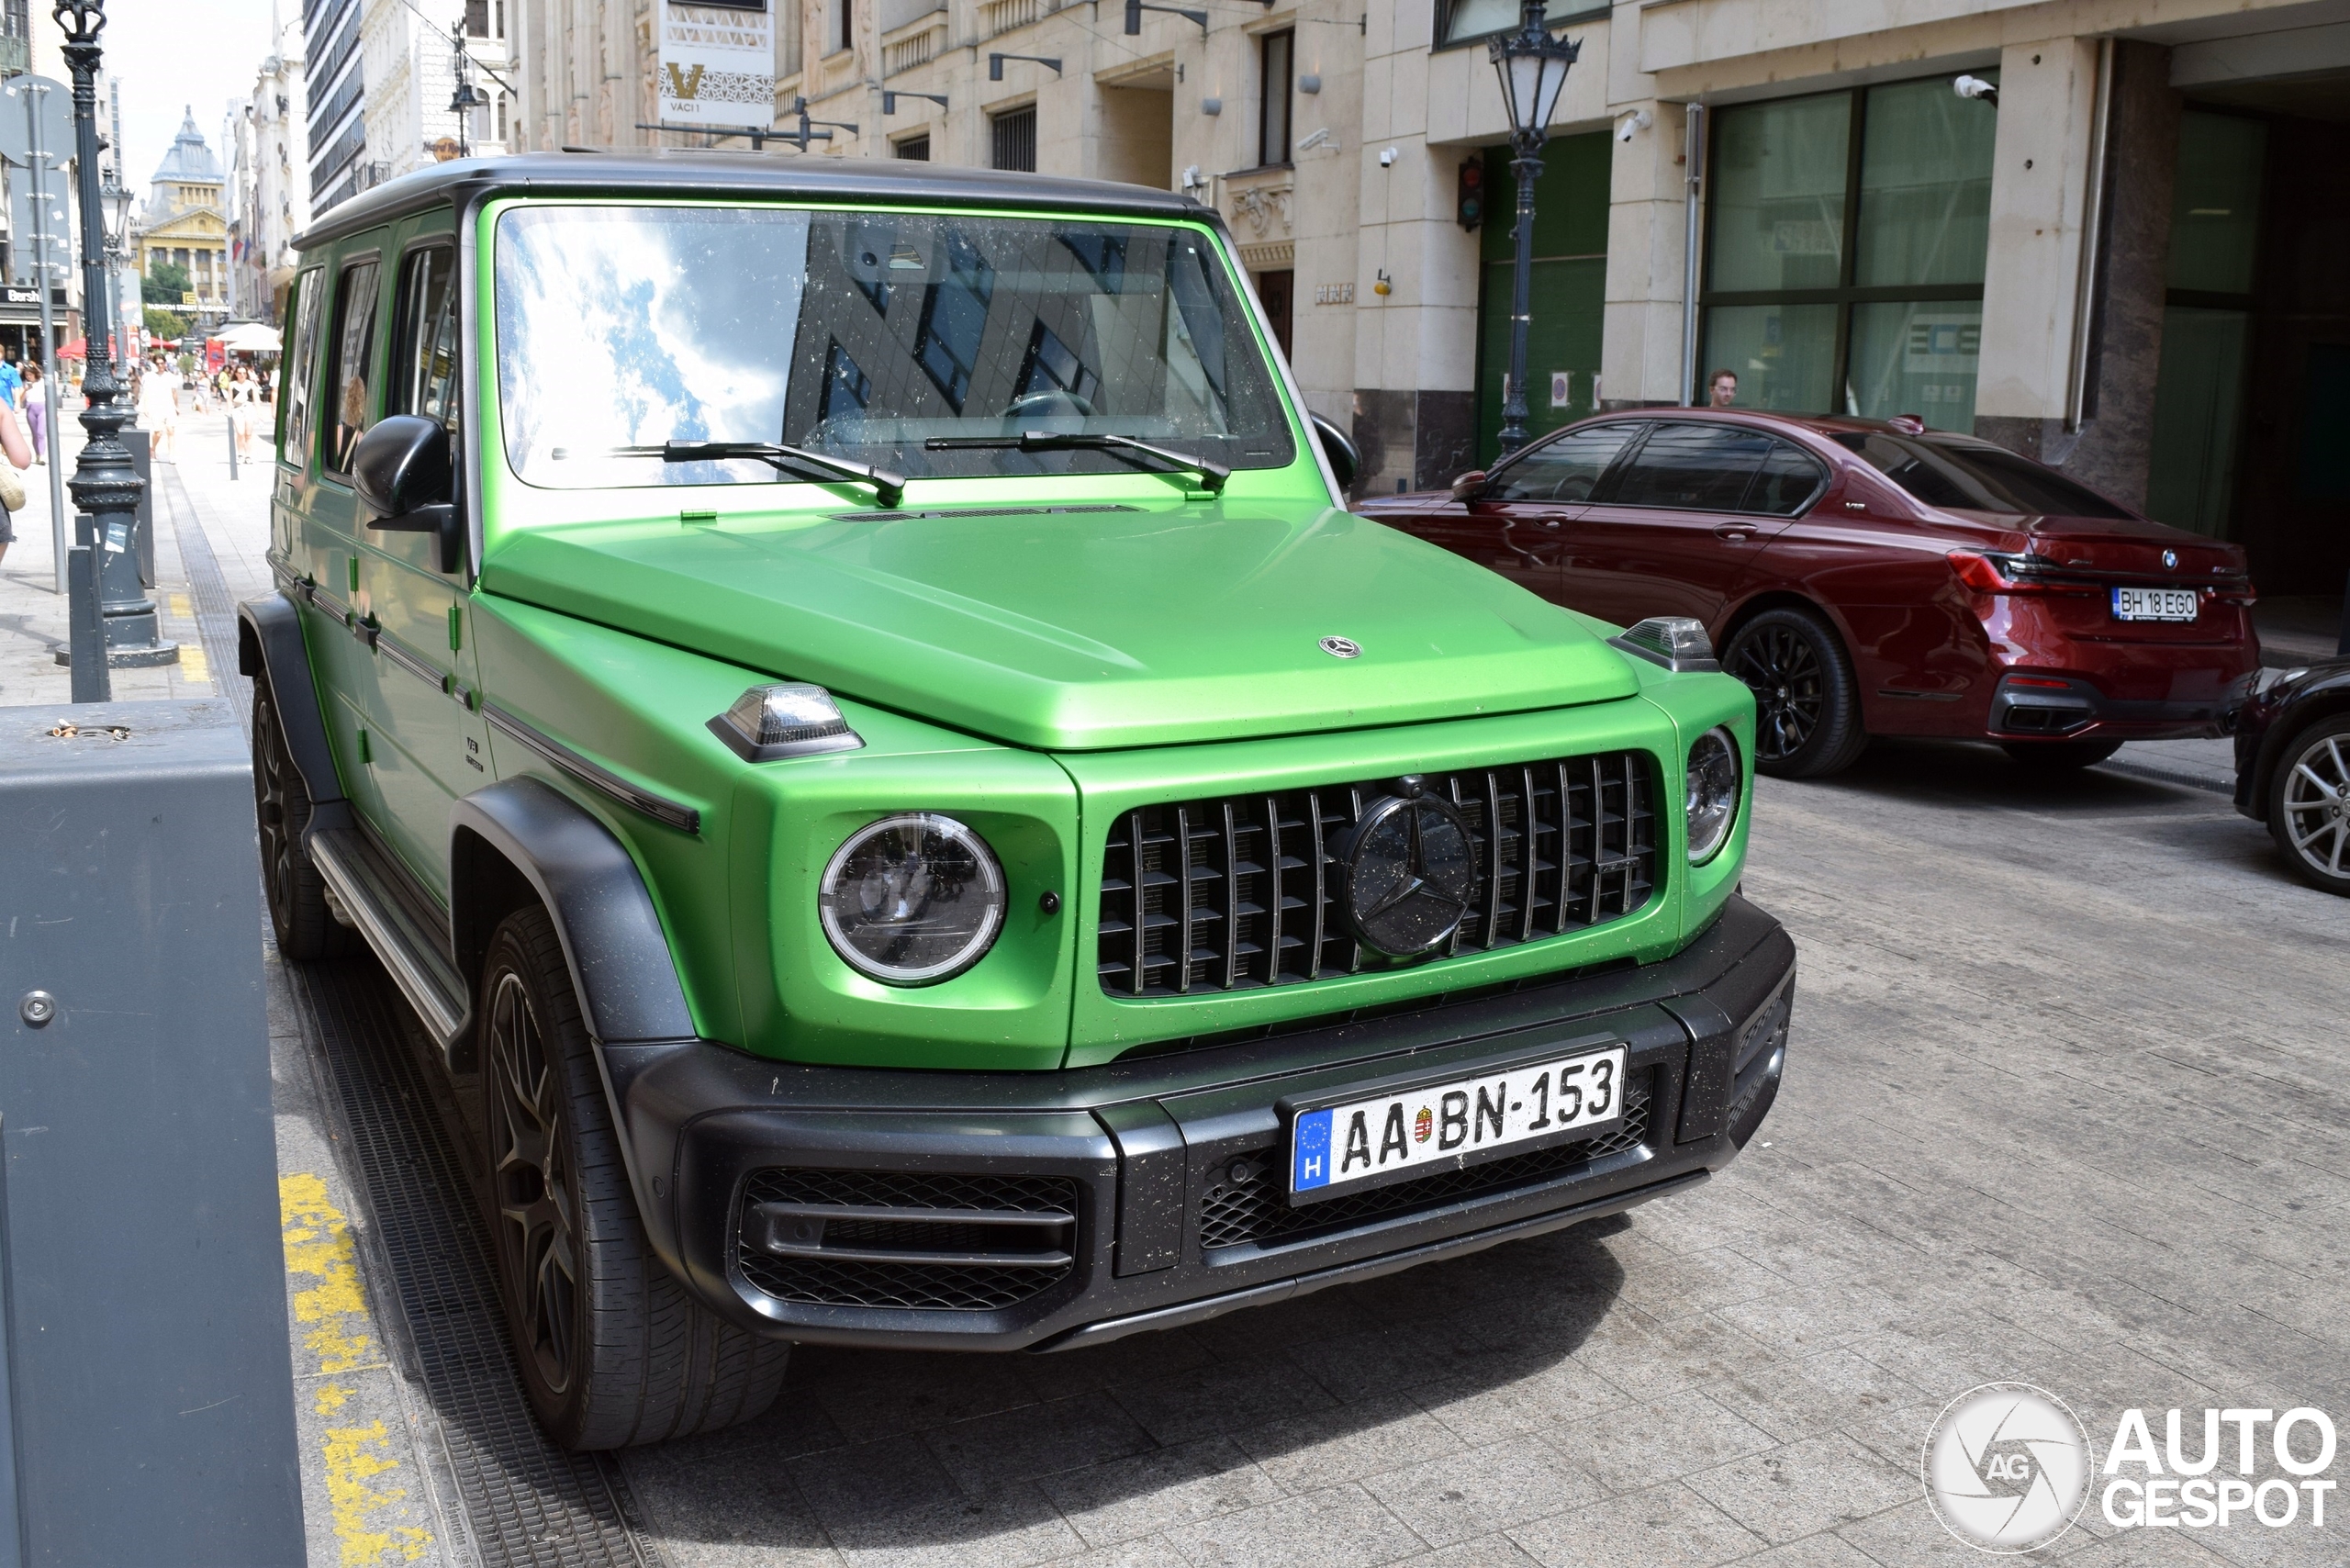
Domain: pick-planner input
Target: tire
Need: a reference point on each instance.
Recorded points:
(305, 927)
(2056, 756)
(2309, 804)
(612, 1350)
(1806, 703)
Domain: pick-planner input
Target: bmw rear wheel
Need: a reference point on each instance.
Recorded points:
(2309, 804)
(611, 1349)
(1806, 704)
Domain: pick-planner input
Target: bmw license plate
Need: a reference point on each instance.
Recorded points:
(2156, 604)
(1444, 1126)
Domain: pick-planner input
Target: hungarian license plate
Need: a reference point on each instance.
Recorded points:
(2156, 604)
(1446, 1126)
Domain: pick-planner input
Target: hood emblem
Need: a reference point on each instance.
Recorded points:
(1408, 872)
(2170, 559)
(1342, 647)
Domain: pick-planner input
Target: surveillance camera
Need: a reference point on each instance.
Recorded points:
(1387, 157)
(1638, 119)
(1975, 87)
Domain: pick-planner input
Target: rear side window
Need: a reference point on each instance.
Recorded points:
(299, 405)
(1973, 476)
(351, 380)
(1564, 468)
(1703, 467)
(424, 346)
(1785, 482)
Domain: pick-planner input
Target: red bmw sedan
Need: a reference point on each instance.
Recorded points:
(1870, 577)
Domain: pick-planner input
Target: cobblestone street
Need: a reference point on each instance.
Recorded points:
(2063, 1106)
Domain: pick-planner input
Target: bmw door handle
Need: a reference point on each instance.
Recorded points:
(1736, 532)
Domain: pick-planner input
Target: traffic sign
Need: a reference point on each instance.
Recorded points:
(35, 116)
(28, 219)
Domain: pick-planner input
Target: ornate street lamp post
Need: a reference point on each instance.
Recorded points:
(1533, 69)
(106, 486)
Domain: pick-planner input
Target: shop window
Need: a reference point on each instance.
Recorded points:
(1276, 54)
(1845, 246)
(1013, 138)
(1462, 21)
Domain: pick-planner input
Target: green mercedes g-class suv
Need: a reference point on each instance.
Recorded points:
(847, 697)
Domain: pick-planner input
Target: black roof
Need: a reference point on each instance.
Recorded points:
(751, 175)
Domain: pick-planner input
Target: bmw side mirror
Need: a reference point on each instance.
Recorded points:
(402, 471)
(1470, 486)
(1345, 457)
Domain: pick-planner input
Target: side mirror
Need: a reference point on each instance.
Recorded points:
(1470, 486)
(401, 470)
(1346, 458)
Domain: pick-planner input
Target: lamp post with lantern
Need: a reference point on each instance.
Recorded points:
(1532, 66)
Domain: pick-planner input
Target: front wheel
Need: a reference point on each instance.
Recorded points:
(1807, 702)
(2309, 804)
(612, 1350)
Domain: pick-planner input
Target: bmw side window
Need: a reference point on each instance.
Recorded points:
(351, 382)
(297, 405)
(1693, 467)
(1785, 482)
(1566, 468)
(425, 341)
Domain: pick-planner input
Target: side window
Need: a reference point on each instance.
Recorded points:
(1703, 467)
(1785, 482)
(298, 407)
(1565, 468)
(424, 344)
(350, 381)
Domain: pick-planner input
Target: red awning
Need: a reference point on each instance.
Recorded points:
(78, 348)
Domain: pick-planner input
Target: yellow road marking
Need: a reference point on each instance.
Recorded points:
(193, 664)
(318, 1246)
(180, 607)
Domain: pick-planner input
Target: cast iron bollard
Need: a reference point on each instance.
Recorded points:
(147, 1392)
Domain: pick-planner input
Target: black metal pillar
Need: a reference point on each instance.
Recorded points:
(1527, 167)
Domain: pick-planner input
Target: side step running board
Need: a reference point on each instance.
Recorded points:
(369, 890)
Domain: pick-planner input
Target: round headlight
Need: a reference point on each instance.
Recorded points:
(1713, 793)
(913, 899)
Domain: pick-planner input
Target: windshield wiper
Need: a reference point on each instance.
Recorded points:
(1211, 474)
(888, 489)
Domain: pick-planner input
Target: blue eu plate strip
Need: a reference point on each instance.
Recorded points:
(1310, 1152)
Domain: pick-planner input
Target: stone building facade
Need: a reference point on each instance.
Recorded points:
(270, 194)
(2020, 264)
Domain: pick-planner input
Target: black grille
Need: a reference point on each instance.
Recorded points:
(1240, 892)
(1258, 1209)
(900, 1239)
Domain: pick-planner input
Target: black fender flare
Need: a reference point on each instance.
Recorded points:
(518, 839)
(270, 647)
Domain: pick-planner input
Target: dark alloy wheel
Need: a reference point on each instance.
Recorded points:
(2309, 804)
(611, 1349)
(299, 914)
(1806, 710)
(2060, 755)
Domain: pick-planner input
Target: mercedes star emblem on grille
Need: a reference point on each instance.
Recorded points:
(1410, 868)
(1342, 647)
(2170, 559)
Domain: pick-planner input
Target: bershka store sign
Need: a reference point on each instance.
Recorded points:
(2008, 1468)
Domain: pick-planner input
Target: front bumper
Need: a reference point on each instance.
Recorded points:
(1149, 1193)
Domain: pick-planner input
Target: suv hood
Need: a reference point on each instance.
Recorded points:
(1069, 630)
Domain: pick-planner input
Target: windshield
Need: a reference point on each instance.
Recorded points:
(1973, 476)
(861, 335)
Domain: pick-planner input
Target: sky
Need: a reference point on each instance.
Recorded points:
(172, 54)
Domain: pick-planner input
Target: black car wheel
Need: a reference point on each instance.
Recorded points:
(612, 1350)
(2309, 804)
(1806, 705)
(2060, 755)
(298, 915)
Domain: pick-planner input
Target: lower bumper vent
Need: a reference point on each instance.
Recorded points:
(894, 1238)
(1258, 1210)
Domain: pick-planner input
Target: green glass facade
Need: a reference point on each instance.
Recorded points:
(1570, 287)
(1845, 242)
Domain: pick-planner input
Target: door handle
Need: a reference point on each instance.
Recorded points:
(1736, 532)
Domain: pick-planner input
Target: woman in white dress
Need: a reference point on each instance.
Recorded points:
(158, 411)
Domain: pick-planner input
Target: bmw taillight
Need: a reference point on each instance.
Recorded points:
(1993, 571)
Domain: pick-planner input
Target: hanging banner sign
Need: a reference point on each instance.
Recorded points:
(716, 63)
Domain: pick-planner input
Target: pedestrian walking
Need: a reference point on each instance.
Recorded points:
(11, 381)
(12, 489)
(159, 411)
(36, 394)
